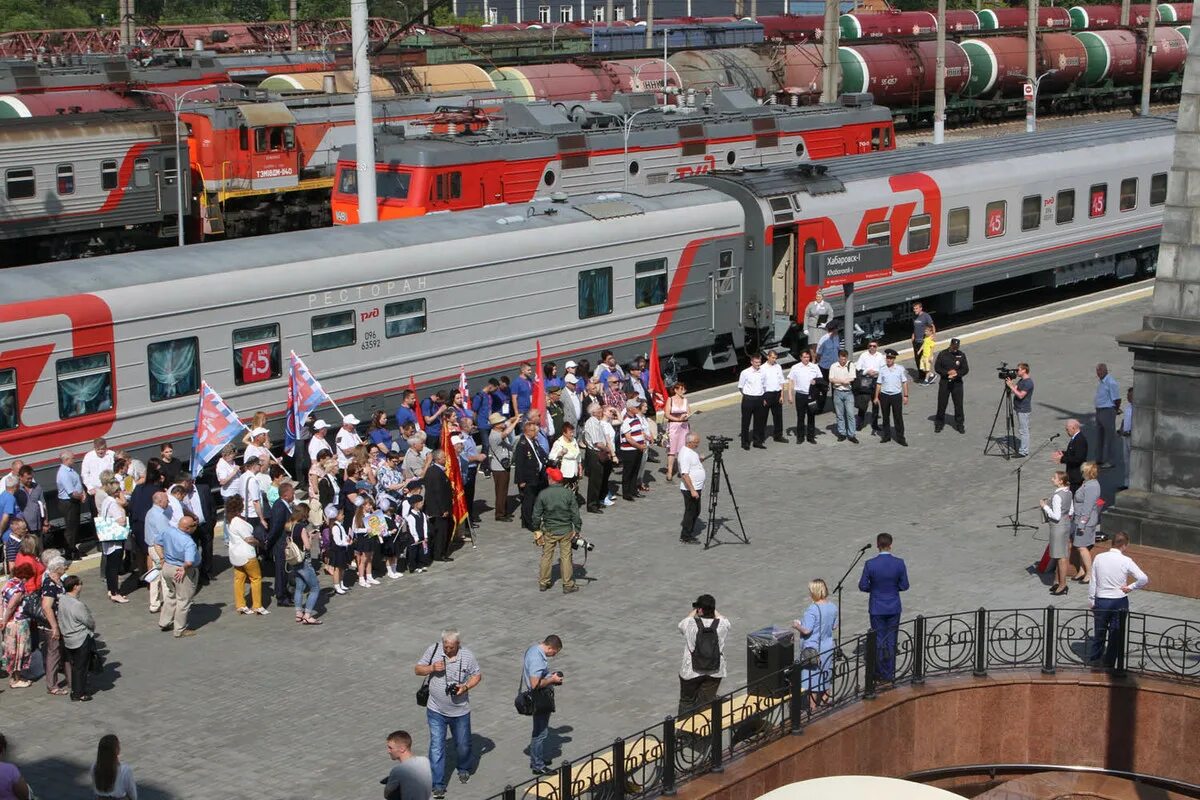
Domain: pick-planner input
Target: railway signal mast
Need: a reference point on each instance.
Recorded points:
(939, 77)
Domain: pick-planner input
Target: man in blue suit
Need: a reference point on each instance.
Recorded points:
(884, 577)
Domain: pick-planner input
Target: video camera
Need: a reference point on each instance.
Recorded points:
(1006, 373)
(718, 444)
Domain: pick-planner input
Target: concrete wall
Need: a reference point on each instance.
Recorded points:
(1073, 718)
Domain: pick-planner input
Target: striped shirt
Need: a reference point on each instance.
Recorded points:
(631, 428)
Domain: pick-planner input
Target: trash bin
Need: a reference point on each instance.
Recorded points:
(769, 652)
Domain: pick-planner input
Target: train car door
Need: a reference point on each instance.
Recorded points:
(726, 288)
(783, 276)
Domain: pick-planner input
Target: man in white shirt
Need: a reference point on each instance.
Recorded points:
(699, 681)
(841, 380)
(691, 485)
(250, 490)
(800, 380)
(95, 461)
(753, 385)
(319, 440)
(773, 379)
(870, 361)
(347, 440)
(1108, 596)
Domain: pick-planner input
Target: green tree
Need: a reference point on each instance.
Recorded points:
(248, 10)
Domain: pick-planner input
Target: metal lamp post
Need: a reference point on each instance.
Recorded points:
(180, 162)
(1031, 100)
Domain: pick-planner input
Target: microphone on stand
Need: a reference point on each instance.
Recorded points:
(865, 547)
(1055, 436)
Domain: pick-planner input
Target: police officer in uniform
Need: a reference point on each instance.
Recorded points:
(891, 394)
(951, 366)
(753, 385)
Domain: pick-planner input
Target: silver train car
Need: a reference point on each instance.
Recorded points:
(117, 346)
(85, 183)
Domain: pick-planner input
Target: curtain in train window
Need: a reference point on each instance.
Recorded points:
(650, 282)
(403, 318)
(174, 368)
(595, 292)
(84, 385)
(9, 418)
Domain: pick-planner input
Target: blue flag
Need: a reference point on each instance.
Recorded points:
(216, 426)
(304, 396)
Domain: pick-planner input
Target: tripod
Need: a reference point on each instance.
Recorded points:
(1004, 445)
(714, 489)
(837, 590)
(1014, 519)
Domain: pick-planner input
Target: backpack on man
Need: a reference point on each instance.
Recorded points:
(706, 653)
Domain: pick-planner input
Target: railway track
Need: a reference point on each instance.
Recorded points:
(987, 130)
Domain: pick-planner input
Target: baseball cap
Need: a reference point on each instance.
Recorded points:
(258, 432)
(320, 425)
(554, 474)
(570, 364)
(571, 379)
(349, 419)
(331, 511)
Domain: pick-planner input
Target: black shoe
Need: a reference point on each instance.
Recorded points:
(884, 439)
(544, 771)
(439, 794)
(961, 428)
(447, 558)
(745, 446)
(1064, 590)
(780, 439)
(168, 627)
(285, 604)
(595, 510)
(937, 428)
(812, 439)
(630, 498)
(853, 439)
(83, 698)
(759, 446)
(901, 441)
(841, 438)
(688, 540)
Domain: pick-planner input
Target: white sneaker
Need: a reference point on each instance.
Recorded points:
(363, 582)
(339, 588)
(395, 575)
(608, 501)
(371, 579)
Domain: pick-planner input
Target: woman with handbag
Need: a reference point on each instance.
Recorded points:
(308, 588)
(242, 546)
(816, 648)
(18, 641)
(112, 529)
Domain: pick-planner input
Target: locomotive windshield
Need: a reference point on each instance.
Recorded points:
(388, 185)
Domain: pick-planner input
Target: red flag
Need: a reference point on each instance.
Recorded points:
(538, 400)
(462, 388)
(458, 497)
(412, 384)
(658, 388)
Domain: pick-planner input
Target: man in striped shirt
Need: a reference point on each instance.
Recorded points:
(633, 444)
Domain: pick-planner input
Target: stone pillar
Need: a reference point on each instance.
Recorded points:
(1161, 507)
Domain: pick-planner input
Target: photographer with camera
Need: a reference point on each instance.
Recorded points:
(1021, 386)
(703, 667)
(951, 366)
(451, 672)
(556, 522)
(537, 679)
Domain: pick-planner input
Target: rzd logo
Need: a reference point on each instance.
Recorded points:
(27, 348)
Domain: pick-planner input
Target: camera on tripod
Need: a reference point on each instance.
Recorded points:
(1006, 373)
(719, 444)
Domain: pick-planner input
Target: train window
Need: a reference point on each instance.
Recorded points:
(958, 226)
(448, 186)
(634, 168)
(650, 282)
(1129, 194)
(9, 418)
(330, 331)
(243, 138)
(880, 233)
(260, 140)
(595, 292)
(919, 228)
(725, 272)
(170, 173)
(404, 317)
(256, 354)
(108, 175)
(995, 219)
(1158, 189)
(1098, 200)
(549, 179)
(20, 184)
(348, 180)
(1031, 212)
(141, 172)
(174, 368)
(65, 179)
(1064, 207)
(392, 185)
(84, 385)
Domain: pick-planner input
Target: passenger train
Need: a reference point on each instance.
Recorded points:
(117, 346)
